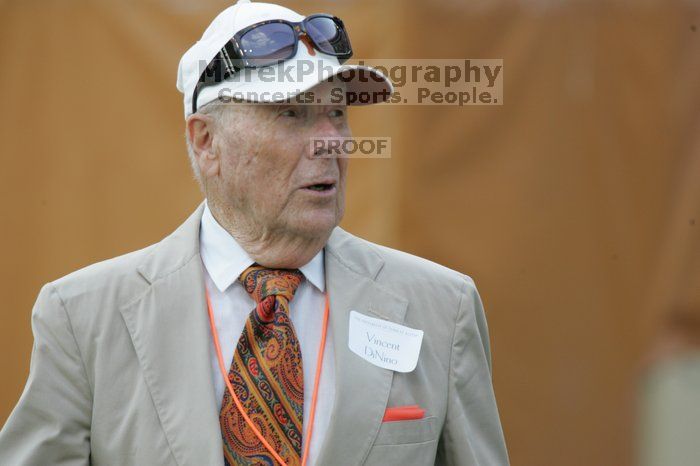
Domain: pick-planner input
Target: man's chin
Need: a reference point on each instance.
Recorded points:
(315, 224)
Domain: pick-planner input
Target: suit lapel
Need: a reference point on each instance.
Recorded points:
(169, 328)
(362, 389)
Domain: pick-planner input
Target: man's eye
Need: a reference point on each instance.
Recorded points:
(337, 112)
(289, 113)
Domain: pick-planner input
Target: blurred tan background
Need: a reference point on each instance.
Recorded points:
(575, 206)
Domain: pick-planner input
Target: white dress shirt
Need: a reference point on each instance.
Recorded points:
(224, 260)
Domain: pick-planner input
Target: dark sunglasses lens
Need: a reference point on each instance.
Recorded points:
(268, 43)
(328, 35)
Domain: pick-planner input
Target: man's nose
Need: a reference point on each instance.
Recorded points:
(325, 137)
(324, 126)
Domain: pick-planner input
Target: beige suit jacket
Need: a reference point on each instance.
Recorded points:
(121, 367)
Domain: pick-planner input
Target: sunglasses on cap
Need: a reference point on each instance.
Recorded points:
(274, 41)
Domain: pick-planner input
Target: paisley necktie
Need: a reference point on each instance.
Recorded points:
(266, 375)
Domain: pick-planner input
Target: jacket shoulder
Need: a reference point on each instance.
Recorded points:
(435, 293)
(401, 268)
(116, 278)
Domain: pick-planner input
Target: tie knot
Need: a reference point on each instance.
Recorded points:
(261, 282)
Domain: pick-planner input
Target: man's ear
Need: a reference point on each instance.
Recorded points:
(200, 129)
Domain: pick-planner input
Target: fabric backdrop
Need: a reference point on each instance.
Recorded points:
(575, 205)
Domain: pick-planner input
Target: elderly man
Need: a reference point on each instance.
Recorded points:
(260, 332)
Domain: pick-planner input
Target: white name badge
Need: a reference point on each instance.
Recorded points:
(383, 343)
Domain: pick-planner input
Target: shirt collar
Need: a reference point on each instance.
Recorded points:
(225, 259)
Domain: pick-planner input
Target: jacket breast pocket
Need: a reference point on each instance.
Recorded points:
(413, 431)
(401, 443)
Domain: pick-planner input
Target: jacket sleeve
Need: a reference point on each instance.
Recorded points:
(51, 423)
(472, 433)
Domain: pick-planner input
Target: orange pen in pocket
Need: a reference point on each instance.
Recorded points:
(403, 413)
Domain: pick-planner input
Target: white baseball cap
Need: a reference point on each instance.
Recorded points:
(271, 83)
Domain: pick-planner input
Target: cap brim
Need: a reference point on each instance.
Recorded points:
(357, 85)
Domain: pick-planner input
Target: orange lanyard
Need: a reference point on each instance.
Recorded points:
(224, 373)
